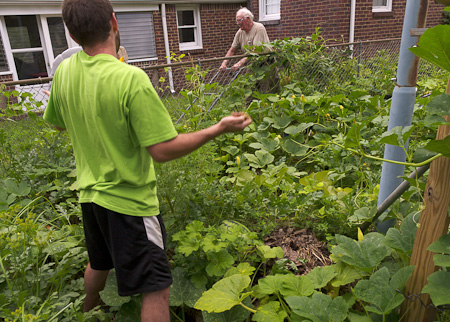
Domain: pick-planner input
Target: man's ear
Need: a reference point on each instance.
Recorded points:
(114, 23)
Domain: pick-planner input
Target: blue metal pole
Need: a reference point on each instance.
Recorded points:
(402, 104)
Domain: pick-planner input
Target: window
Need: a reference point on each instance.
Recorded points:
(189, 31)
(26, 46)
(382, 5)
(3, 62)
(269, 10)
(137, 34)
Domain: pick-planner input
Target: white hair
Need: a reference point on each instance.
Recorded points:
(246, 13)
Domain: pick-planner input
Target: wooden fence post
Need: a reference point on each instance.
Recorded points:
(434, 221)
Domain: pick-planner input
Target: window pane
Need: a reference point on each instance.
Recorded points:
(379, 3)
(137, 34)
(186, 35)
(57, 35)
(30, 65)
(3, 63)
(272, 7)
(23, 31)
(186, 18)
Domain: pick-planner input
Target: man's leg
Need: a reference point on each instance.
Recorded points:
(94, 282)
(155, 306)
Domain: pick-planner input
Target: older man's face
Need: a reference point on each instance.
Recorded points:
(242, 22)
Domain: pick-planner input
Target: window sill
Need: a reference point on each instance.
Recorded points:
(377, 14)
(193, 48)
(270, 22)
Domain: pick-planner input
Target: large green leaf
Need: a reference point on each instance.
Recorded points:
(440, 146)
(296, 286)
(267, 144)
(434, 46)
(280, 122)
(260, 159)
(442, 245)
(441, 260)
(19, 189)
(293, 147)
(270, 312)
(182, 291)
(224, 294)
(403, 239)
(320, 276)
(219, 262)
(438, 287)
(319, 308)
(270, 284)
(110, 294)
(346, 274)
(397, 136)
(268, 252)
(439, 105)
(381, 291)
(130, 311)
(365, 255)
(296, 129)
(242, 268)
(236, 313)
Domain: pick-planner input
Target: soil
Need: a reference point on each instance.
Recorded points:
(301, 247)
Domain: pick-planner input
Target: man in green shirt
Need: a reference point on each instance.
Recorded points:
(118, 128)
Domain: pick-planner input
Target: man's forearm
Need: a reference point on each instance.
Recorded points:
(184, 144)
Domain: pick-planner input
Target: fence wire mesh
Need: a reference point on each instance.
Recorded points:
(180, 84)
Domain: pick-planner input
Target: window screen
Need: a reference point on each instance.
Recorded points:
(137, 34)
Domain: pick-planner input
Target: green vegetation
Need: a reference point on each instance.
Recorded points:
(311, 159)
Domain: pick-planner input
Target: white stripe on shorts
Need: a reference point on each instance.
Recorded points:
(153, 230)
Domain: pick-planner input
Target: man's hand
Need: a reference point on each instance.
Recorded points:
(236, 122)
(235, 67)
(223, 66)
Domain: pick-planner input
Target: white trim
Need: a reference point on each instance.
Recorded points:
(142, 59)
(386, 8)
(262, 12)
(18, 9)
(198, 43)
(7, 48)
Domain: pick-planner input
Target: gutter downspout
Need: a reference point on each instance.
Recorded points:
(351, 36)
(403, 99)
(166, 45)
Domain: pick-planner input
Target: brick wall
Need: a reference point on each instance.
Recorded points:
(300, 19)
(218, 28)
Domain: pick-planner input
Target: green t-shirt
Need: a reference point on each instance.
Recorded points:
(112, 113)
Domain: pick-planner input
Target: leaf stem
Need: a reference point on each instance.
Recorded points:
(409, 164)
(247, 308)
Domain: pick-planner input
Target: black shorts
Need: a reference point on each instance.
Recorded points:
(134, 246)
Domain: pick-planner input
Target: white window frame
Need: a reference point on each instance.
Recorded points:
(263, 16)
(386, 8)
(198, 43)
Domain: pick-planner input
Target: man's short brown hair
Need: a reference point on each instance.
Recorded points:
(88, 21)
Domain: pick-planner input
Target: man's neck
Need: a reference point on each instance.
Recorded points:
(249, 28)
(108, 47)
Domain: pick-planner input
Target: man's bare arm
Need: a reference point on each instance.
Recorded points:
(185, 143)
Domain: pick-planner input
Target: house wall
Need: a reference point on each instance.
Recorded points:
(333, 19)
(218, 28)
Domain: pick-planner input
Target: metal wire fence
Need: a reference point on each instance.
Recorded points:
(180, 84)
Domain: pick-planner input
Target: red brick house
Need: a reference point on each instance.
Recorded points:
(32, 33)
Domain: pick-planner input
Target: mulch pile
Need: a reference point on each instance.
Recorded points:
(301, 247)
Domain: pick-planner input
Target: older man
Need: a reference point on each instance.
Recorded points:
(250, 33)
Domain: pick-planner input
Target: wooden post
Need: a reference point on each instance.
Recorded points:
(434, 221)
